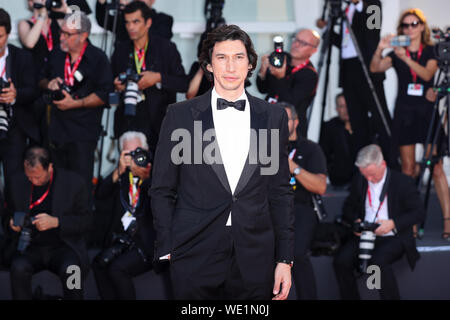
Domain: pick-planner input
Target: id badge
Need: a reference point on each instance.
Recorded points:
(272, 100)
(415, 89)
(127, 219)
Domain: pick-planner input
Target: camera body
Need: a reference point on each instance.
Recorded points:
(132, 95)
(400, 41)
(23, 220)
(49, 4)
(278, 56)
(141, 157)
(366, 242)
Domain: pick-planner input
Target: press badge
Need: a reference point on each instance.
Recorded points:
(415, 89)
(127, 218)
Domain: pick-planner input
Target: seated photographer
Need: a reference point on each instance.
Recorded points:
(50, 220)
(152, 66)
(338, 143)
(17, 91)
(308, 169)
(389, 205)
(76, 103)
(131, 220)
(161, 22)
(415, 66)
(296, 80)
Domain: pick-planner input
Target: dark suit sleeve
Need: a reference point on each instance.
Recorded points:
(27, 90)
(281, 199)
(163, 190)
(162, 25)
(106, 187)
(175, 79)
(104, 81)
(261, 84)
(78, 220)
(413, 209)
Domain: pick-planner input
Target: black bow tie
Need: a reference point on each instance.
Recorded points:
(223, 104)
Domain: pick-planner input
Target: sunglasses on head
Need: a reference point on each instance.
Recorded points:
(414, 24)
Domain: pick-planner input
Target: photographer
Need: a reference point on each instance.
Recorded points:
(308, 169)
(296, 81)
(161, 74)
(17, 91)
(161, 22)
(55, 217)
(415, 66)
(75, 118)
(390, 199)
(128, 184)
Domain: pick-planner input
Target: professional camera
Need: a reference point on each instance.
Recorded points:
(56, 95)
(5, 111)
(213, 12)
(442, 48)
(141, 157)
(23, 220)
(121, 243)
(277, 57)
(400, 41)
(366, 242)
(49, 4)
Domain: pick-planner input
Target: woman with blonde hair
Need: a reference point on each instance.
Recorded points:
(415, 66)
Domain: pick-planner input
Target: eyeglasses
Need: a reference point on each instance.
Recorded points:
(302, 43)
(67, 34)
(414, 24)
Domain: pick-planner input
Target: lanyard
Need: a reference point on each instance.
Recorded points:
(369, 195)
(134, 196)
(68, 71)
(48, 38)
(139, 58)
(299, 67)
(419, 54)
(42, 198)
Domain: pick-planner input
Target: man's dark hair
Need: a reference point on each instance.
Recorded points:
(37, 155)
(338, 96)
(224, 33)
(5, 20)
(134, 6)
(290, 106)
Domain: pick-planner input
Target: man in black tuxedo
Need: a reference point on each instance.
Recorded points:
(162, 75)
(364, 115)
(58, 202)
(396, 215)
(16, 68)
(224, 220)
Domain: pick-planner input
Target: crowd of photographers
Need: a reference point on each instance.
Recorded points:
(55, 89)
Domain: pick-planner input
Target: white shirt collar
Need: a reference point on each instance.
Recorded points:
(3, 61)
(215, 95)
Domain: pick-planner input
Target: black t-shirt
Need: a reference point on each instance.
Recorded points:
(80, 124)
(309, 156)
(40, 50)
(405, 77)
(205, 84)
(49, 237)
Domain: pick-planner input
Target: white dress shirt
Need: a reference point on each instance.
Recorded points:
(233, 138)
(373, 202)
(348, 50)
(3, 63)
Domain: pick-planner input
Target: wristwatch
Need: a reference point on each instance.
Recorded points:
(297, 171)
(289, 263)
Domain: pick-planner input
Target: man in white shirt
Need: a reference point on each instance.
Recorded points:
(390, 199)
(225, 225)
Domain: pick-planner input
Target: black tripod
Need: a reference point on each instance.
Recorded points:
(337, 15)
(433, 138)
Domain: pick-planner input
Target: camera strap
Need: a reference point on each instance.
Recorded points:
(139, 58)
(42, 198)
(419, 54)
(299, 67)
(382, 194)
(68, 71)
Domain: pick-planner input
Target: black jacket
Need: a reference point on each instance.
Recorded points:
(191, 202)
(69, 204)
(404, 207)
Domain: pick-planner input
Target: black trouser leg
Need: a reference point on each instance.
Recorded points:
(344, 263)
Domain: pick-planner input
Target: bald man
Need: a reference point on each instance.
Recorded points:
(296, 81)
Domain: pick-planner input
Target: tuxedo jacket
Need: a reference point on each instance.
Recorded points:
(366, 38)
(191, 202)
(20, 68)
(404, 207)
(69, 204)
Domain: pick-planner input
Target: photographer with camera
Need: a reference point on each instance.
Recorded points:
(415, 65)
(17, 91)
(128, 249)
(50, 220)
(295, 80)
(383, 205)
(76, 103)
(161, 22)
(308, 169)
(153, 72)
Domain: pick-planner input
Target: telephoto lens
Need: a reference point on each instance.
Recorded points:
(277, 57)
(366, 246)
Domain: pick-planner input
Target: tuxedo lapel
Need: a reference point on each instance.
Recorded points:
(202, 112)
(258, 120)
